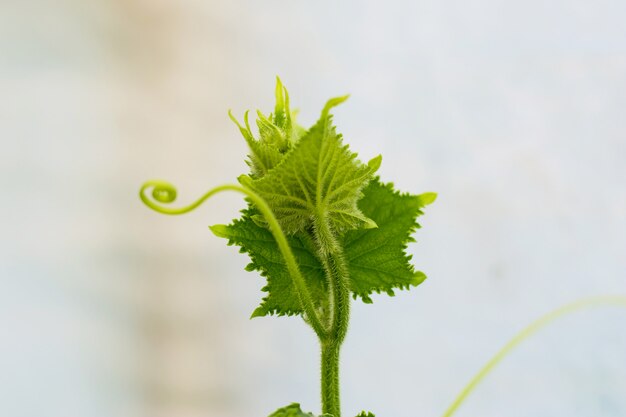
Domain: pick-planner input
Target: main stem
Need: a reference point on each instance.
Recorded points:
(337, 275)
(331, 402)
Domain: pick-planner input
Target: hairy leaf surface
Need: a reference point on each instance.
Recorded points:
(312, 182)
(377, 258)
(277, 134)
(318, 179)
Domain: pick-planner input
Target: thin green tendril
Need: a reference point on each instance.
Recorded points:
(164, 192)
(534, 327)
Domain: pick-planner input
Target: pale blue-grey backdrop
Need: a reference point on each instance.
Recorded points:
(514, 112)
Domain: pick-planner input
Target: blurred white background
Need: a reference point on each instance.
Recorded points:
(514, 112)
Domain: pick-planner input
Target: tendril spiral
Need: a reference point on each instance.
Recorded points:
(164, 192)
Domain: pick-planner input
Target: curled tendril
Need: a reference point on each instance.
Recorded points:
(530, 330)
(164, 192)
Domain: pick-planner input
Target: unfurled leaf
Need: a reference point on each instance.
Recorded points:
(260, 245)
(377, 258)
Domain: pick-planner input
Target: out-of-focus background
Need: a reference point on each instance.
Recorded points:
(514, 112)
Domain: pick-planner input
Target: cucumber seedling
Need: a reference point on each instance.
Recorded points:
(320, 226)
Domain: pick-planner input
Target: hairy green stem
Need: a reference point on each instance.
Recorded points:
(527, 332)
(336, 269)
(331, 402)
(164, 192)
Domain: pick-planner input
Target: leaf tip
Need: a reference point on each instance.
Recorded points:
(333, 102)
(258, 312)
(220, 230)
(370, 224)
(374, 163)
(418, 278)
(427, 198)
(232, 117)
(245, 180)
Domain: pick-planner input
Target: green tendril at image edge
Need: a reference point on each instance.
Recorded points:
(526, 333)
(165, 193)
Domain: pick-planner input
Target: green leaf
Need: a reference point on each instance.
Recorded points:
(293, 410)
(260, 245)
(318, 180)
(311, 180)
(377, 258)
(364, 414)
